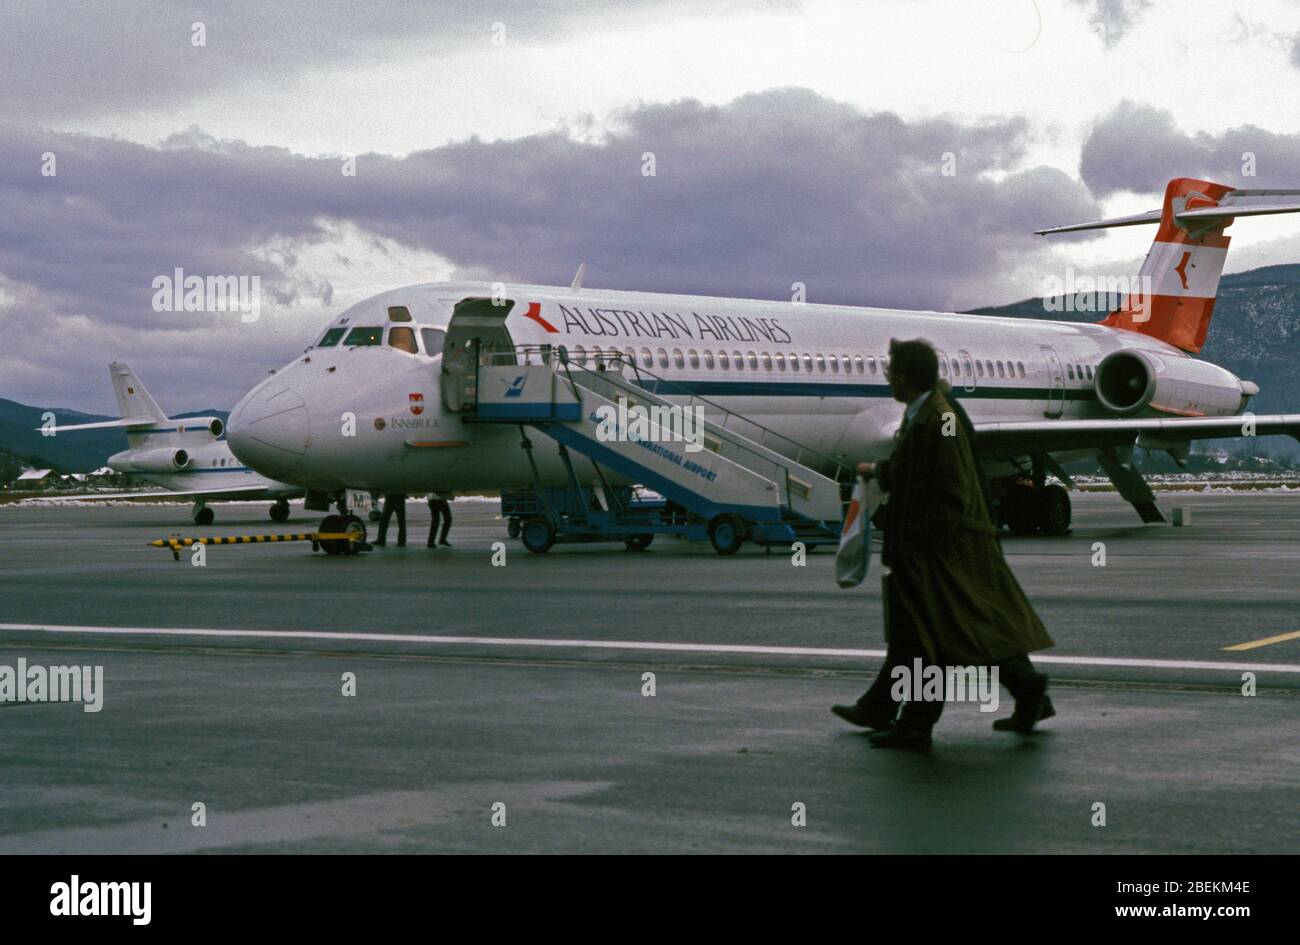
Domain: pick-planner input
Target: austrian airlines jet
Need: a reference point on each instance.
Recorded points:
(395, 395)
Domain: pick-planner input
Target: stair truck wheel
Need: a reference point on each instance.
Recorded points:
(1052, 510)
(638, 542)
(537, 535)
(727, 534)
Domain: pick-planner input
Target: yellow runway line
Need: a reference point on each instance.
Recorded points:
(1253, 644)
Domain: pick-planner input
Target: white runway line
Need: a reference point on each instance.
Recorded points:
(619, 645)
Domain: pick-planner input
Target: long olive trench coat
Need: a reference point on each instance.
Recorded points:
(950, 578)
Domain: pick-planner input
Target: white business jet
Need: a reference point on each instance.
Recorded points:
(442, 387)
(185, 457)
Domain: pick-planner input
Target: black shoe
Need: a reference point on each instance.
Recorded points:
(378, 543)
(856, 715)
(908, 739)
(445, 543)
(401, 543)
(429, 544)
(1022, 721)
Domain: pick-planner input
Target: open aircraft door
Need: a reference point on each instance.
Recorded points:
(477, 326)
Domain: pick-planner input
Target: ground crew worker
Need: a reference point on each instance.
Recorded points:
(440, 508)
(393, 502)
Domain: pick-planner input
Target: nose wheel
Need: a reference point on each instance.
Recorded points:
(336, 524)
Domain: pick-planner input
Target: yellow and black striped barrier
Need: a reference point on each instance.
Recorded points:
(340, 541)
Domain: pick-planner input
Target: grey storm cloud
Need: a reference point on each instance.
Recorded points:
(1139, 148)
(774, 188)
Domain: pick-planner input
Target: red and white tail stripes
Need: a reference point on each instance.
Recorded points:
(1180, 277)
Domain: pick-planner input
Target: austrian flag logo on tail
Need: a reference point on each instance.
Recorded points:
(417, 404)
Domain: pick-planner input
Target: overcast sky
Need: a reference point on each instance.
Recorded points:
(792, 141)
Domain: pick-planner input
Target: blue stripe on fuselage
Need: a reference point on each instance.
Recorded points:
(748, 388)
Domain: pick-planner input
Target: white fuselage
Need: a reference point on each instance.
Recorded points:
(374, 417)
(209, 465)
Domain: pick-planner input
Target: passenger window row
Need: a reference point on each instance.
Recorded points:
(723, 360)
(780, 361)
(981, 368)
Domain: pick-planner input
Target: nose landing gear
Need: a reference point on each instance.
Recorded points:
(343, 523)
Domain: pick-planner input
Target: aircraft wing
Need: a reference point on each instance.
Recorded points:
(231, 494)
(1051, 436)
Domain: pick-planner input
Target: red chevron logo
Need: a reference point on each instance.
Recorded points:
(1181, 268)
(535, 313)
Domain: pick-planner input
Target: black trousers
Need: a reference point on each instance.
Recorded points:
(441, 511)
(1017, 674)
(393, 503)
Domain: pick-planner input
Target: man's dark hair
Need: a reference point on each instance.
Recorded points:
(915, 359)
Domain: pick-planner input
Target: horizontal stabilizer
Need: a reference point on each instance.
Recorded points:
(103, 425)
(1236, 203)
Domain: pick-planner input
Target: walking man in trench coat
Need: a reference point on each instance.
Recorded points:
(950, 598)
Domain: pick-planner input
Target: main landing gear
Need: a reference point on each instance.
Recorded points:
(1029, 506)
(1032, 510)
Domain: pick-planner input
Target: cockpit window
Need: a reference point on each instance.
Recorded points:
(399, 313)
(331, 338)
(359, 336)
(403, 339)
(433, 339)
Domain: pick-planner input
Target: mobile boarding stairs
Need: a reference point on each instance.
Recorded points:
(724, 484)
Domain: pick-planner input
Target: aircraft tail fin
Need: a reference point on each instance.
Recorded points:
(134, 402)
(1179, 281)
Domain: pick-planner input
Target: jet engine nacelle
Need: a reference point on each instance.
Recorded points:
(157, 461)
(1130, 381)
(200, 428)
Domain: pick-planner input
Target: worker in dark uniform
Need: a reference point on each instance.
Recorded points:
(393, 502)
(440, 509)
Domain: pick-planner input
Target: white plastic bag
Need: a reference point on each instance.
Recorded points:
(854, 553)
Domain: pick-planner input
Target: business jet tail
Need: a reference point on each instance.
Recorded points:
(143, 421)
(133, 400)
(1179, 280)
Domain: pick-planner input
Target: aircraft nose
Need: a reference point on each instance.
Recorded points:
(269, 429)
